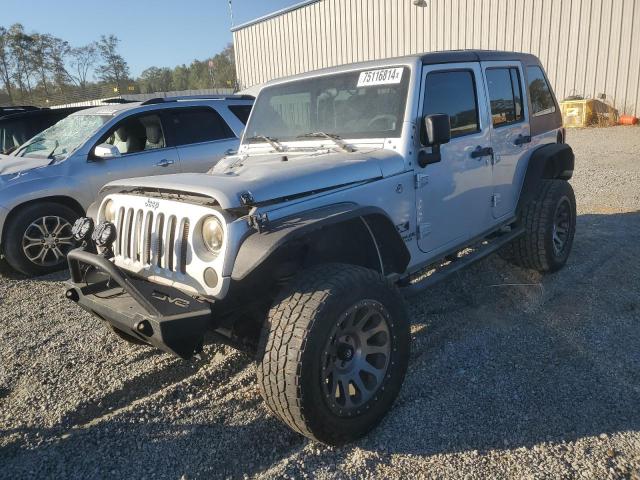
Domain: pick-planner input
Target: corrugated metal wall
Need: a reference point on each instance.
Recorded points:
(588, 47)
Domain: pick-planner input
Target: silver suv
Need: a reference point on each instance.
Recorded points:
(51, 179)
(352, 187)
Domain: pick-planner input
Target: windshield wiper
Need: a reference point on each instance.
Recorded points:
(26, 145)
(271, 141)
(50, 156)
(331, 136)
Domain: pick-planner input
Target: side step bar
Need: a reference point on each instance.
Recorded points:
(479, 251)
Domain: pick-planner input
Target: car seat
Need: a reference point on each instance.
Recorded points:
(129, 138)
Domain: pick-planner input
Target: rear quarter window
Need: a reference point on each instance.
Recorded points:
(199, 125)
(241, 111)
(539, 92)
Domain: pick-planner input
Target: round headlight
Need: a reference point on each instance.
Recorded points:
(110, 211)
(212, 234)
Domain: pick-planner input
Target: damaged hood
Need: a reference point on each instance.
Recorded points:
(10, 164)
(276, 176)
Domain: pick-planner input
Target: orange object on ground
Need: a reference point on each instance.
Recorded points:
(628, 120)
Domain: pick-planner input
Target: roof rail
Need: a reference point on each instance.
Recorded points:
(155, 100)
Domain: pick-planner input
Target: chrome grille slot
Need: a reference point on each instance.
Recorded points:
(170, 237)
(126, 238)
(157, 255)
(136, 251)
(184, 245)
(119, 233)
(148, 228)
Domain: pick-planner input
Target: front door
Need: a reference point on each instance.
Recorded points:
(510, 133)
(454, 202)
(143, 152)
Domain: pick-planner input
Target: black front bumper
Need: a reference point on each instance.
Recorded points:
(158, 315)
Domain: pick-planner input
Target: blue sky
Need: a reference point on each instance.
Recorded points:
(153, 33)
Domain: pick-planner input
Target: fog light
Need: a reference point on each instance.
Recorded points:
(210, 277)
(104, 235)
(82, 229)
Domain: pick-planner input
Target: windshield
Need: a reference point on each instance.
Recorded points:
(360, 104)
(64, 137)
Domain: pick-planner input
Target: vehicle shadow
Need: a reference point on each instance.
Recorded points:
(508, 358)
(502, 358)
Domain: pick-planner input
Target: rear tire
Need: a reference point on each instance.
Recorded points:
(333, 352)
(550, 225)
(38, 238)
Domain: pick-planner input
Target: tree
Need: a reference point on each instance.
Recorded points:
(224, 68)
(156, 79)
(180, 77)
(60, 52)
(82, 61)
(40, 58)
(6, 62)
(21, 47)
(114, 68)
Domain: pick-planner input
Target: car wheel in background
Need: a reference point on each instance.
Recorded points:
(38, 238)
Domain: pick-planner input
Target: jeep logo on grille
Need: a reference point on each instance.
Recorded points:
(178, 302)
(152, 204)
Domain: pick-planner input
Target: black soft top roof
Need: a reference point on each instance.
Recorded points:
(455, 56)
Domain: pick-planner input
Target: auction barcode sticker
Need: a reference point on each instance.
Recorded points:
(380, 77)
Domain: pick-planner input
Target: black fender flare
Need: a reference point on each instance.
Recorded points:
(258, 246)
(554, 160)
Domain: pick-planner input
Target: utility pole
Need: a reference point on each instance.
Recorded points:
(231, 13)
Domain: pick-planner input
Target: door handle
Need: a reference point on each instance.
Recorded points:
(164, 163)
(480, 152)
(230, 151)
(522, 139)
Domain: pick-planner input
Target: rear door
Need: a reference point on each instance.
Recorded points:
(510, 132)
(201, 136)
(453, 201)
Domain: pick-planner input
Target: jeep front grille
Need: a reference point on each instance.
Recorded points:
(152, 239)
(159, 240)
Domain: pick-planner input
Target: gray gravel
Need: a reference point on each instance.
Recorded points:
(512, 374)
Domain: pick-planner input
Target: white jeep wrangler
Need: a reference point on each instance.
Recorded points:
(352, 186)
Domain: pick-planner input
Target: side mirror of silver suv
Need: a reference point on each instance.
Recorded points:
(436, 130)
(105, 151)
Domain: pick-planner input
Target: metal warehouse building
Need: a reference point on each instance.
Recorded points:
(588, 47)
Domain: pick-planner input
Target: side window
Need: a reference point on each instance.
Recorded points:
(453, 93)
(241, 111)
(505, 95)
(199, 125)
(541, 99)
(137, 134)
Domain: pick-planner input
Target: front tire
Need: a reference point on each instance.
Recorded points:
(550, 225)
(38, 238)
(333, 352)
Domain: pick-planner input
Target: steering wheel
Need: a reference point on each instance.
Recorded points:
(385, 116)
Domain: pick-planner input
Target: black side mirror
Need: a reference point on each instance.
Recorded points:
(436, 130)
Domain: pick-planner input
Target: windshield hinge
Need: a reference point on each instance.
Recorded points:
(259, 221)
(421, 180)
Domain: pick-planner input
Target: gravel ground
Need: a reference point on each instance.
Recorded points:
(512, 374)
